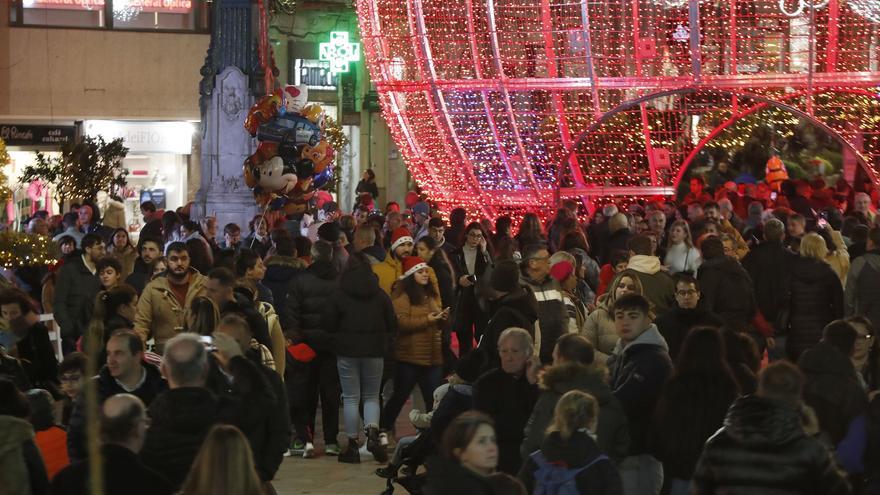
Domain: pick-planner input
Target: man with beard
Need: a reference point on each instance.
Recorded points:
(162, 307)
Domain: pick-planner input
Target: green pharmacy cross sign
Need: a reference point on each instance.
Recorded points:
(339, 52)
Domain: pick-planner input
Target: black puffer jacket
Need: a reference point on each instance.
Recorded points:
(181, 419)
(727, 291)
(761, 450)
(816, 300)
(75, 291)
(306, 300)
(359, 316)
(601, 477)
(833, 389)
(38, 358)
(280, 270)
(107, 386)
(509, 400)
(516, 309)
(612, 431)
(769, 267)
(675, 324)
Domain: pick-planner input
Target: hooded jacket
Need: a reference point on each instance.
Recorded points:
(658, 285)
(638, 371)
(762, 450)
(21, 466)
(515, 309)
(599, 329)
(832, 389)
(727, 291)
(509, 400)
(305, 303)
(862, 295)
(159, 314)
(577, 451)
(612, 432)
(280, 270)
(359, 316)
(816, 300)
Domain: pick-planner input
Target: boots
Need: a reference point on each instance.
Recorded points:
(349, 453)
(375, 445)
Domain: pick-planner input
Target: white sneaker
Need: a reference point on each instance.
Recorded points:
(383, 439)
(309, 451)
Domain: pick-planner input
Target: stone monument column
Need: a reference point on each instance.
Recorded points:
(231, 81)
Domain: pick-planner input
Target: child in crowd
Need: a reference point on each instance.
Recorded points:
(71, 373)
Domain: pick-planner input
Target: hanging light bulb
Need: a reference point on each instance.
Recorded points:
(126, 10)
(802, 5)
(869, 9)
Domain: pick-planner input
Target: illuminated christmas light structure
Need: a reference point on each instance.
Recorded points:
(507, 105)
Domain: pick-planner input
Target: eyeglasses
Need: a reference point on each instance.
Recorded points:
(475, 235)
(540, 258)
(71, 378)
(685, 293)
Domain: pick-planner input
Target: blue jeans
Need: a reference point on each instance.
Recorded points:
(360, 378)
(406, 376)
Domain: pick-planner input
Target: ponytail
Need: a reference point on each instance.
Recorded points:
(574, 411)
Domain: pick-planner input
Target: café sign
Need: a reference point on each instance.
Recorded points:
(36, 135)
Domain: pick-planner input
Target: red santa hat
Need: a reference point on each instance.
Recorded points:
(399, 236)
(412, 264)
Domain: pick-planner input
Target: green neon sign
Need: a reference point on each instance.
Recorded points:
(340, 52)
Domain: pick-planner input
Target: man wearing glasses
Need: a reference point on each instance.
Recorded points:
(685, 314)
(553, 318)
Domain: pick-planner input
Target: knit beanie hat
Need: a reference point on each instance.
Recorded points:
(421, 208)
(412, 264)
(329, 231)
(399, 236)
(505, 276)
(470, 366)
(561, 271)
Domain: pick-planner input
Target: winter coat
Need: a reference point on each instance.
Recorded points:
(638, 371)
(140, 276)
(126, 258)
(280, 270)
(552, 315)
(515, 309)
(657, 285)
(459, 398)
(769, 267)
(52, 443)
(106, 386)
(276, 336)
(38, 357)
(260, 247)
(816, 300)
(75, 291)
(763, 449)
(446, 280)
(839, 258)
(612, 432)
(727, 291)
(123, 473)
(390, 270)
(470, 301)
(509, 400)
(599, 330)
(675, 324)
(21, 467)
(862, 295)
(691, 409)
(359, 316)
(681, 258)
(448, 477)
(159, 315)
(418, 340)
(832, 389)
(600, 478)
(247, 309)
(306, 299)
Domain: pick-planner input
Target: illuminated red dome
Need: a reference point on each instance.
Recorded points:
(508, 104)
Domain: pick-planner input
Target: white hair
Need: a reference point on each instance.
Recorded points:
(525, 339)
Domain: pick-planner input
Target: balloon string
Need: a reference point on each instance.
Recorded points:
(257, 227)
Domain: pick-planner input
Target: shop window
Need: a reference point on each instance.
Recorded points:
(136, 15)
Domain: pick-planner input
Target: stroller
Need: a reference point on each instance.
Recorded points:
(403, 468)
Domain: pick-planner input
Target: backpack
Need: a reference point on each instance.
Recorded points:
(551, 479)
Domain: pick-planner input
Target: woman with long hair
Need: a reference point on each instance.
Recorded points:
(571, 444)
(170, 227)
(530, 230)
(223, 466)
(202, 316)
(681, 255)
(468, 456)
(599, 326)
(115, 308)
(418, 348)
(692, 406)
(121, 248)
(427, 249)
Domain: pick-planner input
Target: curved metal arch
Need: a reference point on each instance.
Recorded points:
(635, 103)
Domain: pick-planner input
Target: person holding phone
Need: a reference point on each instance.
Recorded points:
(418, 348)
(472, 263)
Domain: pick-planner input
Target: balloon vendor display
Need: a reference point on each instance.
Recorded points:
(293, 159)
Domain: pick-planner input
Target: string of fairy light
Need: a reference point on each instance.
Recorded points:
(440, 68)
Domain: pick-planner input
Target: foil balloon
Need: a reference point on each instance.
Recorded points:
(321, 179)
(273, 176)
(293, 128)
(263, 111)
(321, 155)
(295, 98)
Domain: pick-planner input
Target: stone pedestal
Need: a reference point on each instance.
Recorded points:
(225, 145)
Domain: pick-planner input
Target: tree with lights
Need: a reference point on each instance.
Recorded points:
(84, 168)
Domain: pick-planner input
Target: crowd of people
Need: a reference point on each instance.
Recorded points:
(720, 344)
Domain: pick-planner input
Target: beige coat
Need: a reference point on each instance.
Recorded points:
(418, 340)
(598, 328)
(159, 315)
